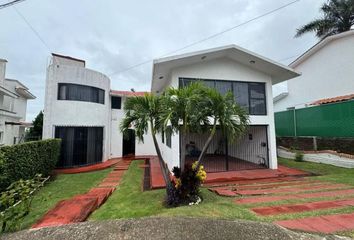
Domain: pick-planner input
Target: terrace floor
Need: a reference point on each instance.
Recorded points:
(258, 175)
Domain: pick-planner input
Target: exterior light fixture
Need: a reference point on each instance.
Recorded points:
(161, 77)
(252, 62)
(204, 57)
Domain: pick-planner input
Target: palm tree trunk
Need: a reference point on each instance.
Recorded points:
(164, 169)
(206, 145)
(183, 149)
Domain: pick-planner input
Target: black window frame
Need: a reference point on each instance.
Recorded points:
(93, 94)
(183, 79)
(116, 104)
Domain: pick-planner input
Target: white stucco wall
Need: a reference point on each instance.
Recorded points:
(141, 148)
(76, 113)
(225, 69)
(327, 73)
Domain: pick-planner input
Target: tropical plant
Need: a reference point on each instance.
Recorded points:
(226, 115)
(338, 17)
(142, 113)
(185, 111)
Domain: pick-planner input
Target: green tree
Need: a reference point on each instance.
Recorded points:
(197, 108)
(226, 115)
(185, 111)
(35, 132)
(143, 113)
(337, 17)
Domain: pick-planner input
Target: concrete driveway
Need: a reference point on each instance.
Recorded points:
(166, 228)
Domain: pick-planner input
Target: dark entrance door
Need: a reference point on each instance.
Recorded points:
(80, 145)
(129, 143)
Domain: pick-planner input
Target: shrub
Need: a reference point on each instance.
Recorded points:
(299, 156)
(24, 161)
(15, 202)
(186, 185)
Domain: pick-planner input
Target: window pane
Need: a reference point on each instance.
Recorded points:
(223, 87)
(241, 94)
(169, 137)
(76, 92)
(209, 83)
(258, 107)
(116, 102)
(62, 92)
(257, 90)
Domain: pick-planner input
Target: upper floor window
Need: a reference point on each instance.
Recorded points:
(116, 102)
(76, 92)
(249, 95)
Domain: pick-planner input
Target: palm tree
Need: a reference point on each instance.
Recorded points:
(228, 116)
(142, 112)
(185, 111)
(338, 16)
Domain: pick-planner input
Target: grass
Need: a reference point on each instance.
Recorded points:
(62, 187)
(130, 202)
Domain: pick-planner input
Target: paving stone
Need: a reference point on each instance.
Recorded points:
(320, 187)
(303, 207)
(223, 192)
(323, 224)
(294, 196)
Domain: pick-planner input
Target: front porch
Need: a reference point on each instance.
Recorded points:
(247, 153)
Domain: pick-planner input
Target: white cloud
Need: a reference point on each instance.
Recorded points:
(113, 35)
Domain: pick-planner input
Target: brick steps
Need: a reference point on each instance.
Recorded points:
(320, 187)
(78, 208)
(303, 207)
(324, 224)
(266, 199)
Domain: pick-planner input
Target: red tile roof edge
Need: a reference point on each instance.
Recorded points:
(127, 93)
(333, 99)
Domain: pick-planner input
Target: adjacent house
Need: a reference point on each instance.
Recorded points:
(13, 106)
(82, 110)
(250, 77)
(326, 74)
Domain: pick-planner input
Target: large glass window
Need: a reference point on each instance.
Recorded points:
(80, 145)
(76, 92)
(249, 95)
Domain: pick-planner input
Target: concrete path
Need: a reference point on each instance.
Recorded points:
(166, 228)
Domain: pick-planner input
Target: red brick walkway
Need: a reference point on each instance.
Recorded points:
(295, 189)
(78, 208)
(303, 207)
(324, 224)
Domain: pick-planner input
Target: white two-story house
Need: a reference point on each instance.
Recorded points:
(249, 77)
(13, 107)
(82, 110)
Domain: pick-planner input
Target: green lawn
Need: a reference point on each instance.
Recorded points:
(62, 187)
(128, 201)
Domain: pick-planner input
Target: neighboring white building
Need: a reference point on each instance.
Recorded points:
(13, 106)
(82, 110)
(250, 77)
(327, 71)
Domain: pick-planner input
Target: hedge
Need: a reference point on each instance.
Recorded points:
(24, 161)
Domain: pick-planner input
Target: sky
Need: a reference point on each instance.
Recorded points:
(113, 35)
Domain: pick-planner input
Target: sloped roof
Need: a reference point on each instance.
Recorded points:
(163, 66)
(315, 48)
(333, 99)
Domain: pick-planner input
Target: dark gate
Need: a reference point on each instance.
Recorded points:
(80, 146)
(129, 142)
